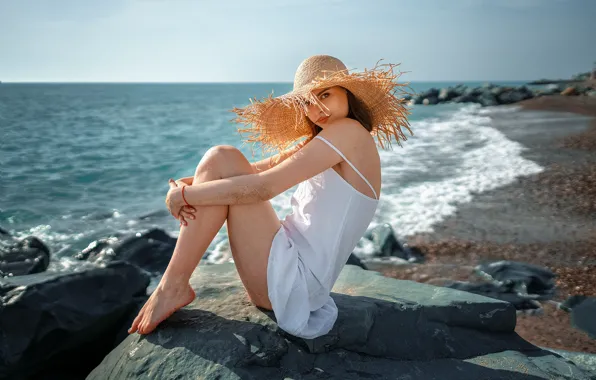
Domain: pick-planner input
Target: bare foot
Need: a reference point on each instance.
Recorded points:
(160, 305)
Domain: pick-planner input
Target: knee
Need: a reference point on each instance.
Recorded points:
(221, 151)
(223, 158)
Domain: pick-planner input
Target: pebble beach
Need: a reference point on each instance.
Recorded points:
(547, 219)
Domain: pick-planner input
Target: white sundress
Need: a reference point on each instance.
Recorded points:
(314, 242)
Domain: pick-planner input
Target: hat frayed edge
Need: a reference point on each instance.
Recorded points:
(381, 76)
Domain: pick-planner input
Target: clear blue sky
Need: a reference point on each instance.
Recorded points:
(265, 40)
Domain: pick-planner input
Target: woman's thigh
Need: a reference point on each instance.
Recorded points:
(251, 229)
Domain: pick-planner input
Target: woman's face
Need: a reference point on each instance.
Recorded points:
(334, 106)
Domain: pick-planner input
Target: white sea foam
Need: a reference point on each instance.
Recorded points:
(480, 158)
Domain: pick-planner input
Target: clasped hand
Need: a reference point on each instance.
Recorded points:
(175, 202)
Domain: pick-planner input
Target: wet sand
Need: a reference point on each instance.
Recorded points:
(547, 219)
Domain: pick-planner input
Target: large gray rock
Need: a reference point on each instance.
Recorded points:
(64, 323)
(387, 328)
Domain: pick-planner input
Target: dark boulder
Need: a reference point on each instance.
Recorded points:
(64, 323)
(526, 279)
(583, 313)
(465, 98)
(151, 250)
(520, 284)
(385, 244)
(354, 260)
(488, 289)
(487, 99)
(27, 256)
(447, 94)
(514, 96)
(430, 100)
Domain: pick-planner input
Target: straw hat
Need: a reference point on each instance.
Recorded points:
(276, 123)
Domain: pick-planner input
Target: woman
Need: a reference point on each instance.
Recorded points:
(288, 266)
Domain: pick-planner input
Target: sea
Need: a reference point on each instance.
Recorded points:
(86, 161)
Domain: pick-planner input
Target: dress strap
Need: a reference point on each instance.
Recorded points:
(346, 160)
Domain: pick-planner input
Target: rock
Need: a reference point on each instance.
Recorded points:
(514, 96)
(583, 312)
(151, 250)
(520, 284)
(27, 256)
(570, 302)
(387, 328)
(447, 94)
(430, 101)
(569, 91)
(65, 321)
(465, 98)
(585, 361)
(386, 245)
(417, 99)
(519, 301)
(496, 91)
(432, 93)
(487, 99)
(473, 91)
(354, 260)
(525, 279)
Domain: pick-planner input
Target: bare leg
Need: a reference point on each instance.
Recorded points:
(174, 291)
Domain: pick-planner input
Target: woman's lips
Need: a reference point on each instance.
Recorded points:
(323, 119)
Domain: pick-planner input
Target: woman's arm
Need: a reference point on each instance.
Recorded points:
(312, 159)
(270, 162)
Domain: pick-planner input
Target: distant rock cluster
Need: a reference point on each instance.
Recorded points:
(493, 95)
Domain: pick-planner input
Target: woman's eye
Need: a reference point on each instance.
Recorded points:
(324, 95)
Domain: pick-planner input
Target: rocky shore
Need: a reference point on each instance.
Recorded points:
(548, 220)
(489, 294)
(386, 329)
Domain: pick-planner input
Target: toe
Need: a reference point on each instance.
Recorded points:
(135, 324)
(144, 326)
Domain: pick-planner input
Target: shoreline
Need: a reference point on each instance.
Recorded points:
(548, 219)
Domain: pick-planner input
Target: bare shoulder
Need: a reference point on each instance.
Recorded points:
(345, 125)
(348, 134)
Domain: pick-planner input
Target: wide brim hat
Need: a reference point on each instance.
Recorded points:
(278, 122)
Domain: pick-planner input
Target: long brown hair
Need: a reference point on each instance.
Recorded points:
(356, 110)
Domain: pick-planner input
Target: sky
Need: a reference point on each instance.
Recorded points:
(265, 40)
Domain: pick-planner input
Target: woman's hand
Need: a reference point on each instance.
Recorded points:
(175, 202)
(186, 180)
